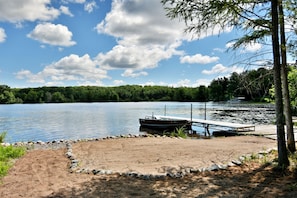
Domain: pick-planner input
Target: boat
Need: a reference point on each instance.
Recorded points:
(152, 122)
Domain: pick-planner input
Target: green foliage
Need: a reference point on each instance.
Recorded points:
(2, 137)
(7, 153)
(125, 93)
(179, 132)
(253, 85)
(293, 159)
(218, 89)
(7, 95)
(292, 187)
(4, 167)
(10, 152)
(292, 76)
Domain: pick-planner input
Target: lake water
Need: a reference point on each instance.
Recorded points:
(48, 122)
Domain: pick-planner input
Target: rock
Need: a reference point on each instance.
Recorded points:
(223, 167)
(68, 154)
(242, 158)
(214, 167)
(236, 162)
(194, 170)
(170, 175)
(108, 172)
(187, 170)
(40, 142)
(95, 171)
(146, 177)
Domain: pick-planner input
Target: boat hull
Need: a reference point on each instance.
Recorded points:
(164, 124)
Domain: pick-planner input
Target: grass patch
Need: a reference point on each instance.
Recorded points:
(262, 158)
(2, 136)
(7, 154)
(292, 187)
(179, 132)
(271, 158)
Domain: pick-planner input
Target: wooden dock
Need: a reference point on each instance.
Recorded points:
(212, 123)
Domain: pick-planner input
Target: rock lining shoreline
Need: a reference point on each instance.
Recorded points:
(172, 173)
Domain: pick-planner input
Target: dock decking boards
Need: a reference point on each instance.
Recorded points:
(212, 123)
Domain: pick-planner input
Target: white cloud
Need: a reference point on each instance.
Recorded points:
(188, 83)
(218, 49)
(118, 82)
(30, 10)
(74, 1)
(69, 68)
(198, 58)
(137, 22)
(248, 48)
(202, 82)
(183, 83)
(89, 6)
(52, 34)
(32, 78)
(133, 57)
(151, 83)
(220, 69)
(2, 35)
(230, 45)
(252, 47)
(145, 36)
(133, 74)
(90, 83)
(65, 10)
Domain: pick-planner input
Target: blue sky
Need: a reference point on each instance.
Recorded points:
(109, 43)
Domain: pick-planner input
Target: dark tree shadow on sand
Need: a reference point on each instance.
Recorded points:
(244, 181)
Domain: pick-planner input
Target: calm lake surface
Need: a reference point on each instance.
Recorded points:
(48, 122)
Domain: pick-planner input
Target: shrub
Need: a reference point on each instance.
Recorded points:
(7, 153)
(4, 167)
(179, 132)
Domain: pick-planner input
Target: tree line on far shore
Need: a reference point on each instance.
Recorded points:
(253, 85)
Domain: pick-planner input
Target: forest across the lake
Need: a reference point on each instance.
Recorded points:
(252, 85)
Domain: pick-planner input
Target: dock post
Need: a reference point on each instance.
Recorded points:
(191, 117)
(191, 112)
(205, 111)
(206, 127)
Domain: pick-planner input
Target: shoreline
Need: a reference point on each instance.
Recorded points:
(268, 131)
(74, 162)
(122, 166)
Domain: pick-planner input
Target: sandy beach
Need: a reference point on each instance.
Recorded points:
(46, 173)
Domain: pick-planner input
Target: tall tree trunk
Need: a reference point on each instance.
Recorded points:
(284, 76)
(283, 160)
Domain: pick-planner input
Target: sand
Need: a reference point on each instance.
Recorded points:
(46, 173)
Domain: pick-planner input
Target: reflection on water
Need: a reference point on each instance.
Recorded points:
(47, 122)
